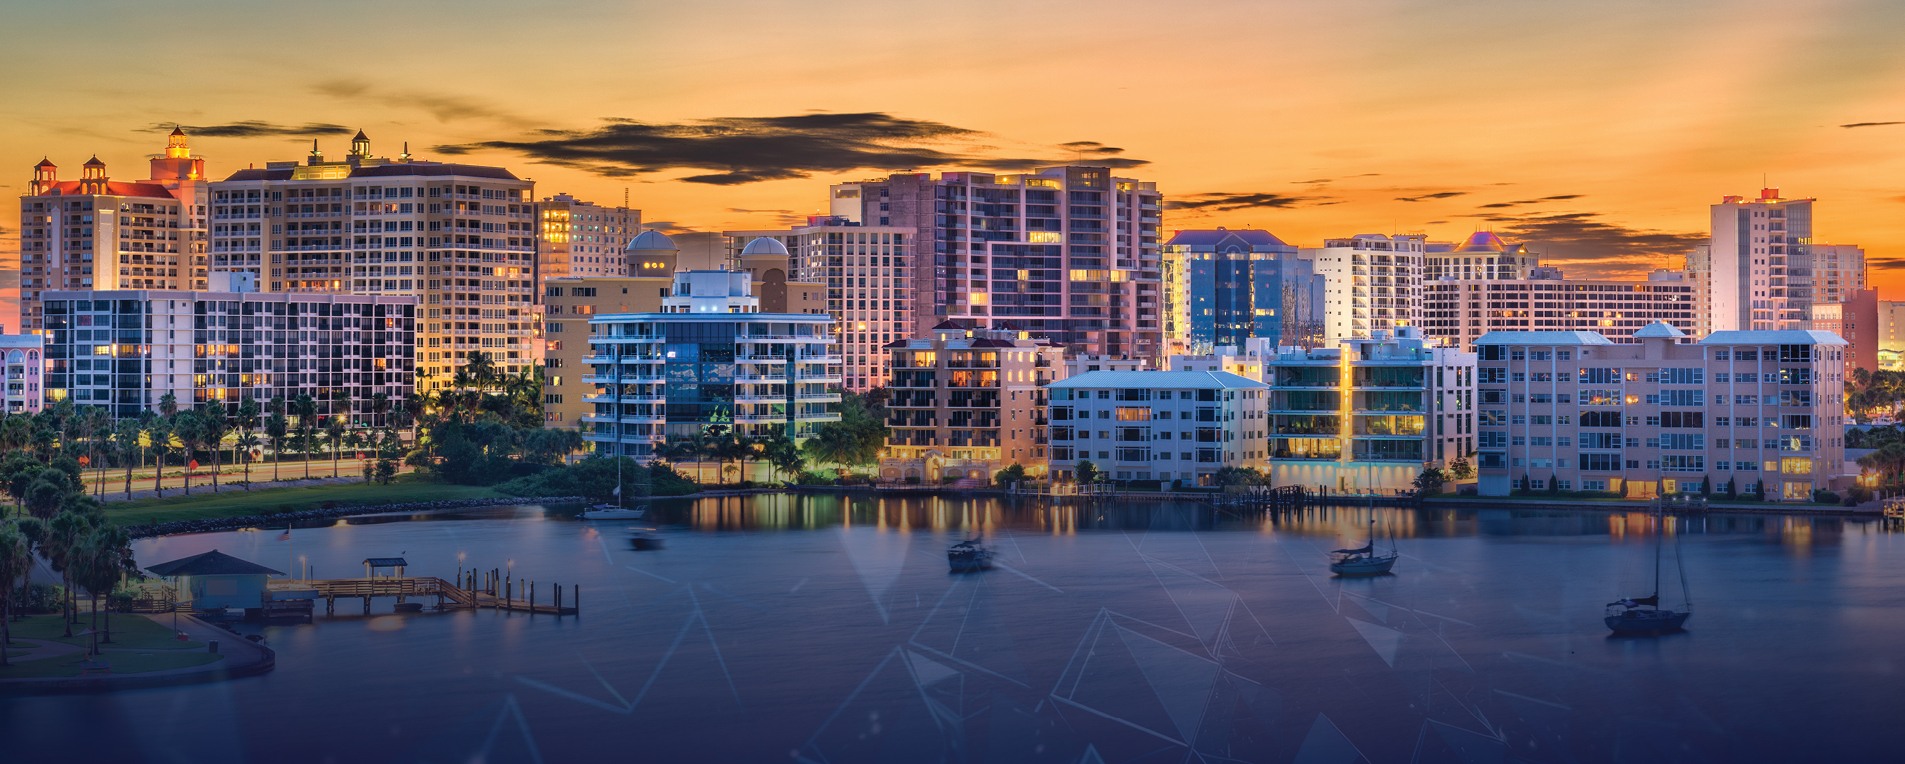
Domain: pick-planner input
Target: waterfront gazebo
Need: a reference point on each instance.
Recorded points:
(216, 580)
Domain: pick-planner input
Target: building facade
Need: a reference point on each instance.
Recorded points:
(1371, 283)
(1838, 270)
(1223, 287)
(459, 239)
(126, 349)
(1069, 254)
(584, 239)
(708, 362)
(1760, 269)
(1745, 410)
(99, 233)
(1856, 320)
(1461, 312)
(23, 365)
(866, 272)
(1158, 425)
(1483, 256)
(967, 403)
(1370, 414)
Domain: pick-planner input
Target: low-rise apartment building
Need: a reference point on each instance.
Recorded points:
(1749, 410)
(967, 403)
(708, 358)
(126, 349)
(1158, 425)
(23, 355)
(1369, 414)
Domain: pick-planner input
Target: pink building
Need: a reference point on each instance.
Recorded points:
(1739, 410)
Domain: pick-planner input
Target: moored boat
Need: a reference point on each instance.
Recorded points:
(969, 555)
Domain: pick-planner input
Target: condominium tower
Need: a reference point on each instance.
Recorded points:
(1224, 287)
(1070, 254)
(868, 274)
(581, 238)
(461, 239)
(1759, 271)
(1461, 311)
(99, 233)
(1371, 283)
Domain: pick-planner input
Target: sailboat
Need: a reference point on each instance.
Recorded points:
(614, 511)
(1364, 560)
(1641, 615)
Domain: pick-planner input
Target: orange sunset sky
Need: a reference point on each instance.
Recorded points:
(1600, 131)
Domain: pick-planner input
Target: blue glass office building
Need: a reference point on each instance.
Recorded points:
(1230, 286)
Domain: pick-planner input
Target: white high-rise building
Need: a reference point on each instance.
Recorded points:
(1760, 260)
(1371, 282)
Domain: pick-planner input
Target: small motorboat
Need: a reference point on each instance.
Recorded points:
(1364, 560)
(409, 607)
(644, 541)
(969, 555)
(611, 512)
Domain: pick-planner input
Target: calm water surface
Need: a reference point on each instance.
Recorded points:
(781, 629)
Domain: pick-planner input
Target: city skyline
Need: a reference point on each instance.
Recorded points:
(1601, 135)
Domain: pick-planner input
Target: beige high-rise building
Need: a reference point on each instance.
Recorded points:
(865, 271)
(1838, 272)
(460, 238)
(99, 233)
(1371, 283)
(1482, 256)
(584, 239)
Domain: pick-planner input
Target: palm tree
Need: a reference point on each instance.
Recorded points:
(168, 405)
(214, 425)
(189, 427)
(104, 557)
(334, 431)
(63, 535)
(158, 441)
(247, 420)
(306, 409)
(276, 428)
(16, 560)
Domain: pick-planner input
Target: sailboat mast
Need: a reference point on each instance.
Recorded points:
(1661, 519)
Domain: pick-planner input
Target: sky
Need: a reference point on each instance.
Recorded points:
(1598, 132)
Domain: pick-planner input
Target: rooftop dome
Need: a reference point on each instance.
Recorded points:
(1483, 241)
(763, 247)
(1659, 329)
(651, 240)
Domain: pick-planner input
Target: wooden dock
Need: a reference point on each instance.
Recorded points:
(502, 594)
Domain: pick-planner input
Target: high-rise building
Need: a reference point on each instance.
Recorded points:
(1838, 270)
(1761, 265)
(1223, 287)
(1856, 320)
(1069, 254)
(1698, 274)
(708, 359)
(1737, 412)
(1483, 256)
(582, 238)
(1460, 312)
(966, 404)
(866, 272)
(124, 350)
(99, 233)
(1371, 283)
(461, 239)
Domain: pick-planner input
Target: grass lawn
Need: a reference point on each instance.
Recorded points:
(122, 663)
(201, 506)
(129, 631)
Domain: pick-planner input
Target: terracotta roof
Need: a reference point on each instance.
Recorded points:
(178, 130)
(213, 563)
(949, 325)
(45, 162)
(360, 137)
(113, 188)
(94, 162)
(389, 170)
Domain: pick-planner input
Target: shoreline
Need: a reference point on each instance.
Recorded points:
(262, 521)
(242, 658)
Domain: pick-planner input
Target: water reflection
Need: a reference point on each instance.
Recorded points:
(828, 629)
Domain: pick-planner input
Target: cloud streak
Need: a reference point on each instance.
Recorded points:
(446, 108)
(740, 150)
(1589, 239)
(1436, 195)
(252, 128)
(1227, 202)
(1872, 124)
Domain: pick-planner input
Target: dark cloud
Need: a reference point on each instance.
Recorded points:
(252, 128)
(742, 150)
(1226, 202)
(669, 227)
(1559, 197)
(1872, 124)
(446, 108)
(1498, 205)
(1588, 239)
(1885, 263)
(1436, 195)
